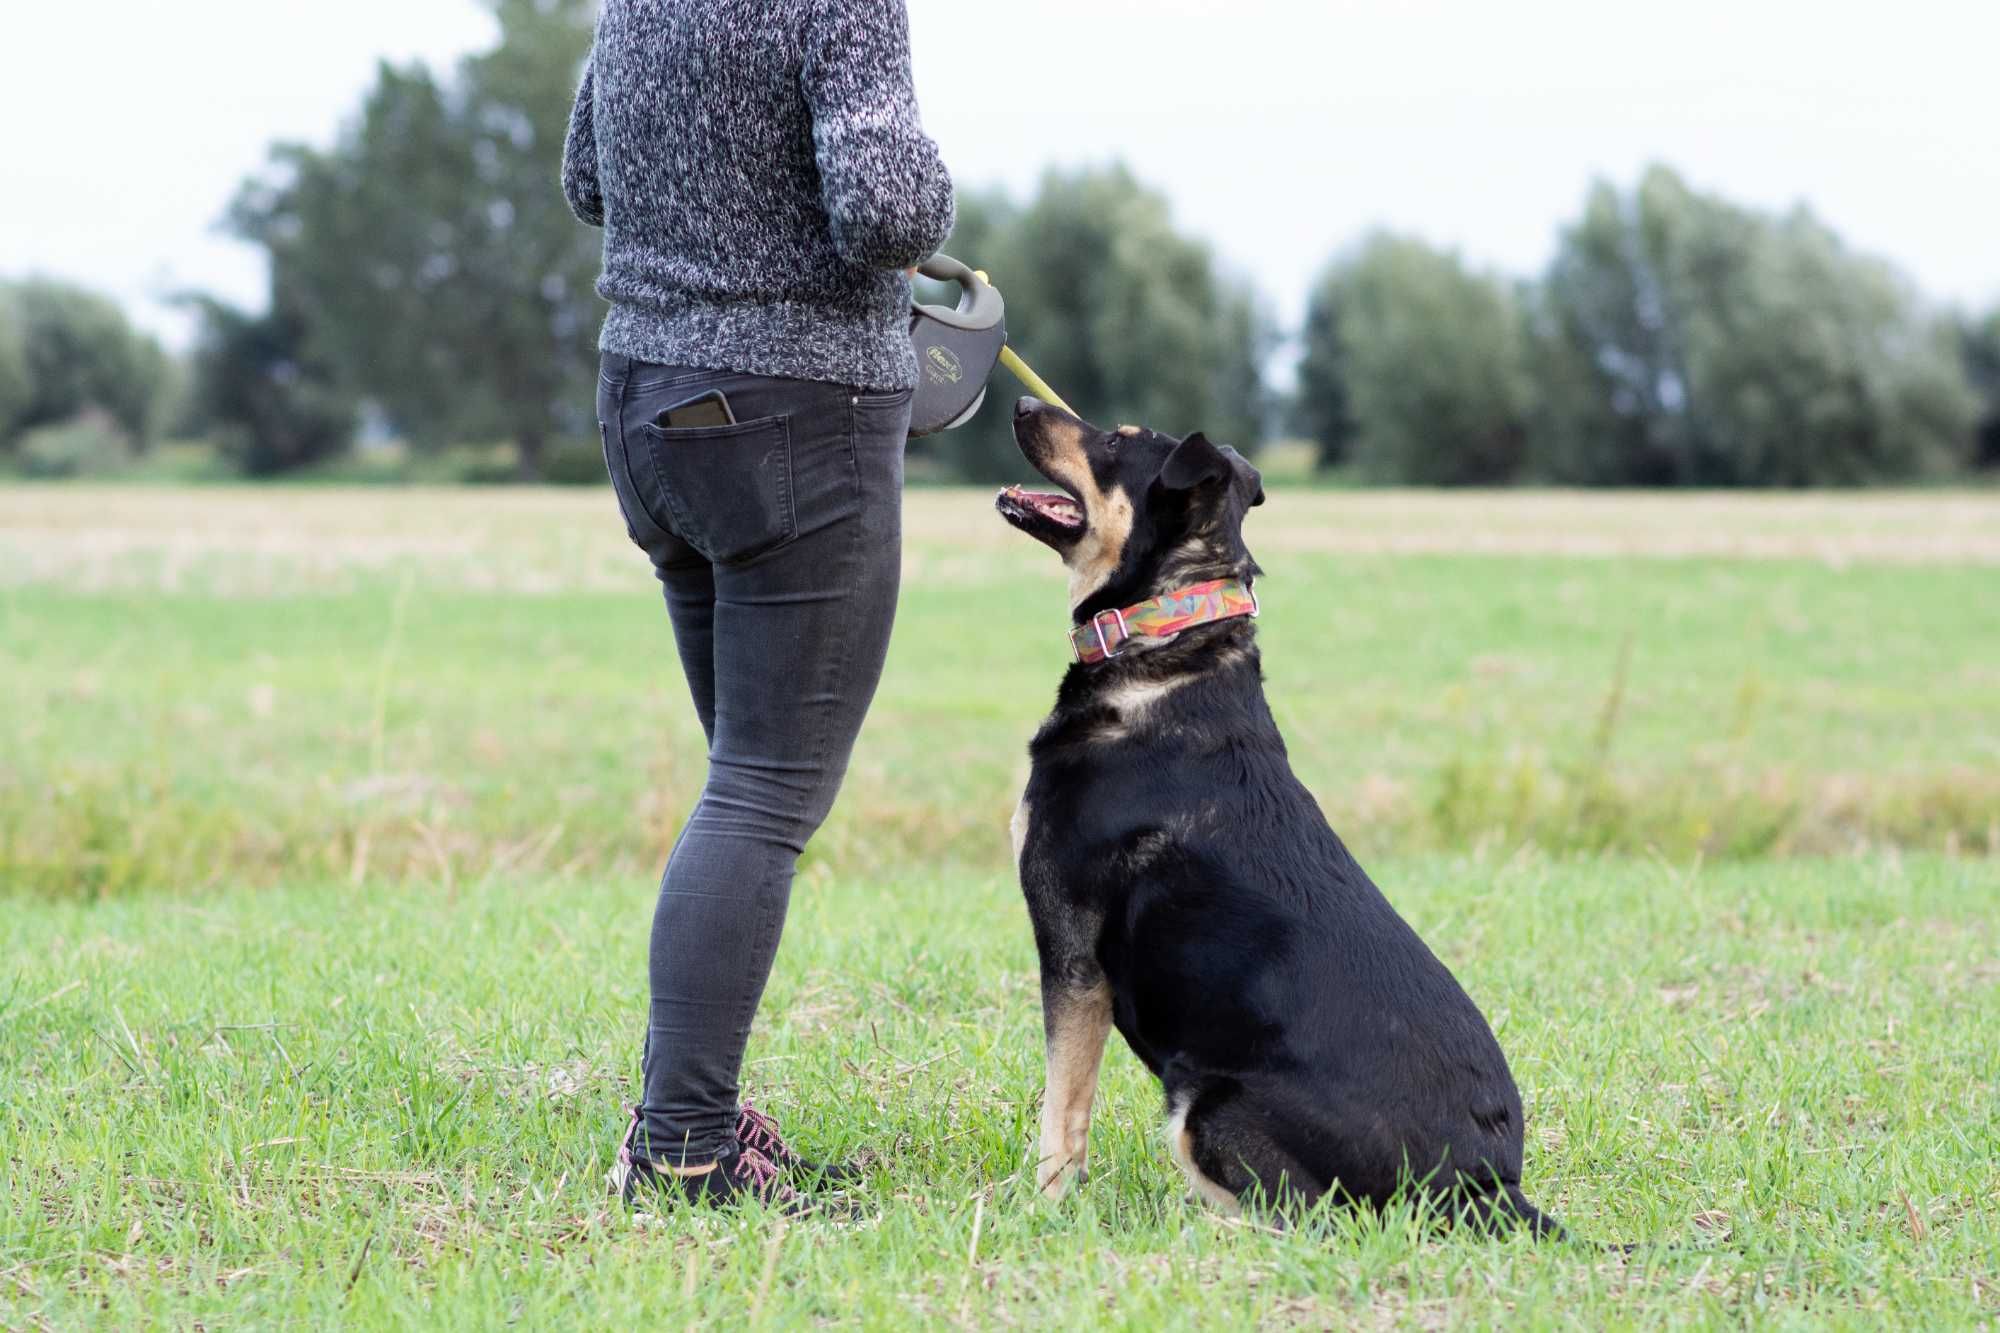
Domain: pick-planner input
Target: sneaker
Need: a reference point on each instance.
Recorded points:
(759, 1132)
(740, 1173)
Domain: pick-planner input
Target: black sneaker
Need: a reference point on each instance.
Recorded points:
(759, 1132)
(740, 1173)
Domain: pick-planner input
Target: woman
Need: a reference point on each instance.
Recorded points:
(764, 183)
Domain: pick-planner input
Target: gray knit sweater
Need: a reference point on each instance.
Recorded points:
(762, 180)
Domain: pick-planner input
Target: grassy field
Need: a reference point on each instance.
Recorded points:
(328, 822)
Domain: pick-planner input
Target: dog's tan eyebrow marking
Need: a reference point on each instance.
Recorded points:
(1131, 432)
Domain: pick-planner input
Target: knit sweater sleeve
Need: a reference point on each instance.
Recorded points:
(579, 161)
(885, 188)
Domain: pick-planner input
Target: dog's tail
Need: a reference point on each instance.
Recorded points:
(1503, 1207)
(1540, 1225)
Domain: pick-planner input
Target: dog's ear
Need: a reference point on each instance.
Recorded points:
(1249, 481)
(1197, 462)
(1194, 463)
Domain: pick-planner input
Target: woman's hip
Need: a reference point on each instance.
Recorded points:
(734, 467)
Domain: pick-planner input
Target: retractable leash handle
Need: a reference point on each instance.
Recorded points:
(957, 347)
(979, 305)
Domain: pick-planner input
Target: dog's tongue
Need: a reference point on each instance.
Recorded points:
(1053, 506)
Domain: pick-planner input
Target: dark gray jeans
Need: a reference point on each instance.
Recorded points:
(779, 542)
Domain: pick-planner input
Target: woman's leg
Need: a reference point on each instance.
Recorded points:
(690, 593)
(798, 634)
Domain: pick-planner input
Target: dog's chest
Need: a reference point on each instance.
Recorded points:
(1069, 815)
(1019, 828)
(1037, 831)
(1044, 834)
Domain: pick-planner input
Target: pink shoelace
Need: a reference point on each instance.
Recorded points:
(761, 1171)
(756, 1130)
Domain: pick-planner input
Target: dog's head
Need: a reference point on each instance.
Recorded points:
(1141, 513)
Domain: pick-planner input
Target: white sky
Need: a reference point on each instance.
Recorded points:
(1280, 130)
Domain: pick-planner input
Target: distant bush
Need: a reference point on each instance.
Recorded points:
(469, 465)
(564, 462)
(575, 463)
(72, 351)
(182, 462)
(89, 444)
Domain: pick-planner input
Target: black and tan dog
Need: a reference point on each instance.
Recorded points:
(1185, 888)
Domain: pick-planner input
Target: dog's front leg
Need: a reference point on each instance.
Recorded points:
(1076, 1018)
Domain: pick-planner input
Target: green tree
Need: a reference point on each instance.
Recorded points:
(429, 253)
(257, 389)
(16, 389)
(1980, 341)
(1124, 316)
(1415, 367)
(1321, 409)
(77, 352)
(1683, 341)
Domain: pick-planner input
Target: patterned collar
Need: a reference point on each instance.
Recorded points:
(1105, 634)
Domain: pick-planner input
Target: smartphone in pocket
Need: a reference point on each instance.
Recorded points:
(707, 409)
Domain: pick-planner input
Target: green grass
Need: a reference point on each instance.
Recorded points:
(367, 707)
(317, 1102)
(328, 823)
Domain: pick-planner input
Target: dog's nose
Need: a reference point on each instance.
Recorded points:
(1027, 405)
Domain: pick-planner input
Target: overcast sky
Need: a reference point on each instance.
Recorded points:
(1280, 130)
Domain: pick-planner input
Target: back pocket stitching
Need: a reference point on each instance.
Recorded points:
(611, 473)
(666, 522)
(660, 441)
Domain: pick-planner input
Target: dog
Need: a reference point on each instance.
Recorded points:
(1185, 888)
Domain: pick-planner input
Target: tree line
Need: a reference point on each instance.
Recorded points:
(428, 284)
(1675, 340)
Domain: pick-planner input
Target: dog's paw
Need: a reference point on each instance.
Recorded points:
(1054, 1175)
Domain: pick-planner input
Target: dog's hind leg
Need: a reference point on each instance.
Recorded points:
(1180, 1142)
(1229, 1154)
(1075, 1023)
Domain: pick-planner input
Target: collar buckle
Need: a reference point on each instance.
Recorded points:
(1097, 628)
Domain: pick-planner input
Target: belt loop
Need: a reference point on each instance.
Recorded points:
(617, 375)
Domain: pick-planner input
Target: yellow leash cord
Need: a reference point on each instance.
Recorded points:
(1024, 373)
(1036, 385)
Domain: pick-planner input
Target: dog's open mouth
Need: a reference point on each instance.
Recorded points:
(1049, 516)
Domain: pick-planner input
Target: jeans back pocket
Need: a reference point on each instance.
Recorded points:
(724, 490)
